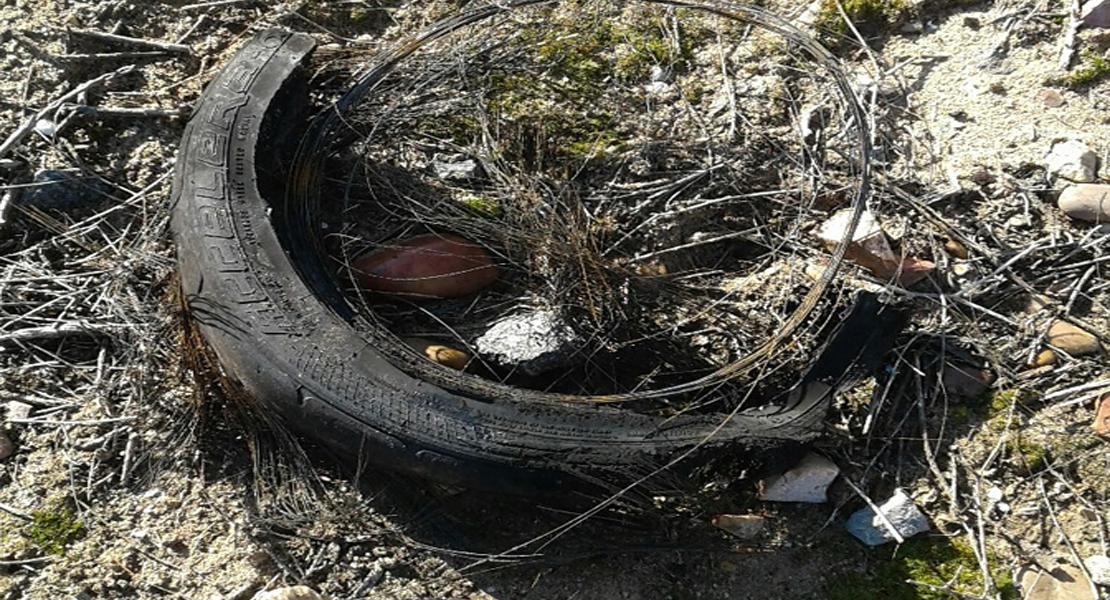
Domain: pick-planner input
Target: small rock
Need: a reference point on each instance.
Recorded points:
(18, 410)
(808, 482)
(658, 73)
(1063, 583)
(1099, 568)
(995, 494)
(1043, 359)
(297, 592)
(7, 446)
(745, 527)
(956, 249)
(1071, 339)
(1086, 202)
(438, 353)
(60, 190)
(1102, 416)
(532, 341)
(1095, 13)
(914, 270)
(972, 23)
(1037, 303)
(868, 248)
(902, 513)
(1071, 160)
(46, 128)
(1050, 98)
(912, 27)
(458, 171)
(965, 381)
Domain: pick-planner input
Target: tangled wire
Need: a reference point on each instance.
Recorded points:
(648, 174)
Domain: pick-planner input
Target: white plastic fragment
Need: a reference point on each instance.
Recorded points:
(808, 481)
(900, 512)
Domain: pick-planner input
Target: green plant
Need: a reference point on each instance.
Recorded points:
(869, 17)
(935, 563)
(54, 530)
(1094, 69)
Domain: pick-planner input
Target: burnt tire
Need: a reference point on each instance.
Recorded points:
(259, 306)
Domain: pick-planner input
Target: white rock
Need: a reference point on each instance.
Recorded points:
(18, 410)
(903, 514)
(1071, 160)
(297, 592)
(1086, 201)
(532, 341)
(808, 481)
(1099, 568)
(46, 128)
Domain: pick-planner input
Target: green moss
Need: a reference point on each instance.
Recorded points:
(646, 45)
(869, 17)
(54, 530)
(460, 129)
(999, 407)
(483, 207)
(930, 561)
(1002, 401)
(1031, 455)
(1095, 68)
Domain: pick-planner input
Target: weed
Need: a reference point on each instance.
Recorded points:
(1095, 68)
(54, 530)
(930, 561)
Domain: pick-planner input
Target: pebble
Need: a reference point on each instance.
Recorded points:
(297, 592)
(1063, 583)
(1102, 416)
(1050, 98)
(1071, 339)
(956, 249)
(745, 527)
(903, 514)
(17, 410)
(1071, 160)
(965, 381)
(7, 446)
(532, 341)
(438, 353)
(808, 481)
(60, 190)
(1099, 568)
(912, 27)
(1086, 202)
(1096, 13)
(46, 128)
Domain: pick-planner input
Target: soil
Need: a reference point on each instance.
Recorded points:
(134, 478)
